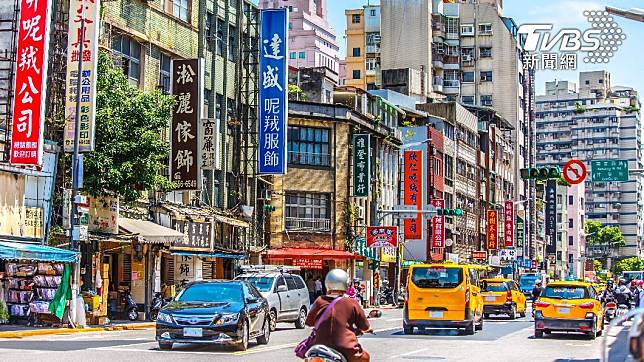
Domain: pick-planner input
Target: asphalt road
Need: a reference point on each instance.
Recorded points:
(500, 340)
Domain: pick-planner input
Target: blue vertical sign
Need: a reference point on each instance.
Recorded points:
(273, 91)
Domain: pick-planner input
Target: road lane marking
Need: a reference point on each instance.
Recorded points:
(394, 320)
(408, 353)
(387, 329)
(264, 349)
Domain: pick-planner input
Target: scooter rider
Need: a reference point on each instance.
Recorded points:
(623, 293)
(340, 328)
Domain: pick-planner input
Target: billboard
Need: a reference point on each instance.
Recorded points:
(361, 165)
(551, 216)
(413, 193)
(492, 236)
(382, 236)
(438, 226)
(508, 227)
(273, 91)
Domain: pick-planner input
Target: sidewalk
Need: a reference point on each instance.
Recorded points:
(19, 331)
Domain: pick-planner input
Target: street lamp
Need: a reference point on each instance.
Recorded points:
(633, 14)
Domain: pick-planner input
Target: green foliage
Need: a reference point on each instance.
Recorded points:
(579, 108)
(628, 264)
(631, 109)
(592, 229)
(596, 234)
(4, 314)
(296, 93)
(130, 151)
(597, 265)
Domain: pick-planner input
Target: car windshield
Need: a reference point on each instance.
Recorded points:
(496, 287)
(263, 284)
(211, 293)
(565, 292)
(437, 277)
(527, 281)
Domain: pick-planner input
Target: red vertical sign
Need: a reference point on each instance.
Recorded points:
(413, 193)
(438, 226)
(492, 242)
(30, 87)
(508, 229)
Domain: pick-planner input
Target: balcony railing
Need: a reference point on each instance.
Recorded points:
(451, 83)
(307, 224)
(309, 158)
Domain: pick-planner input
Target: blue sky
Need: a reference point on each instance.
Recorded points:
(626, 66)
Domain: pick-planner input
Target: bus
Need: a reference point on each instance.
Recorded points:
(526, 282)
(633, 275)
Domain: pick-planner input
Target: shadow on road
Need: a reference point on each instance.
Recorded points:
(62, 345)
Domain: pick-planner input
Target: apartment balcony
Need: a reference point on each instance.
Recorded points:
(437, 60)
(437, 84)
(373, 49)
(451, 86)
(308, 224)
(454, 36)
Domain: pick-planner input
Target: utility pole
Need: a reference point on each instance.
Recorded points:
(74, 235)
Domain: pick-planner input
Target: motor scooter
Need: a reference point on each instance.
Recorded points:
(322, 353)
(158, 302)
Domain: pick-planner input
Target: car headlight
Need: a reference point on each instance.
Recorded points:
(165, 318)
(590, 315)
(227, 318)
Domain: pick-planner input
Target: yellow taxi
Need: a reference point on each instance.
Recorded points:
(568, 306)
(502, 296)
(443, 295)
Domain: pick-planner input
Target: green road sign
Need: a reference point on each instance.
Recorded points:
(609, 170)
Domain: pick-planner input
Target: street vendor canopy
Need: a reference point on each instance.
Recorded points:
(23, 251)
(150, 232)
(307, 253)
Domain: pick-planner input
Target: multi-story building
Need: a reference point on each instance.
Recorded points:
(598, 121)
(312, 41)
(363, 47)
(558, 262)
(576, 236)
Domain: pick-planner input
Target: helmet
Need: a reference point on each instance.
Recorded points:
(640, 283)
(337, 279)
(538, 282)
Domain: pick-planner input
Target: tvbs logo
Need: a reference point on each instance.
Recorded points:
(600, 41)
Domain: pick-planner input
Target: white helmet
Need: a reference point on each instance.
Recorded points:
(337, 279)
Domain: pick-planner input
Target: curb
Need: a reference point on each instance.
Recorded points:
(45, 332)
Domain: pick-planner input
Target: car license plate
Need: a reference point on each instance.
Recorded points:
(563, 310)
(193, 332)
(434, 314)
(490, 298)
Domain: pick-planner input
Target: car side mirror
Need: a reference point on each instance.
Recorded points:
(251, 300)
(282, 288)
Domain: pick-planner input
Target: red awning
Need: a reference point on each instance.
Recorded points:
(306, 253)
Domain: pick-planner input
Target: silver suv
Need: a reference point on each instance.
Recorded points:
(287, 295)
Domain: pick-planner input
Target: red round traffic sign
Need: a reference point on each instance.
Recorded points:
(574, 172)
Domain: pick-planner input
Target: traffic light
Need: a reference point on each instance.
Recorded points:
(449, 212)
(542, 173)
(269, 208)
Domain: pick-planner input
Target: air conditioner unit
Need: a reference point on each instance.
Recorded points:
(467, 57)
(360, 212)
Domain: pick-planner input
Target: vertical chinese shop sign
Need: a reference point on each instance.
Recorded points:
(508, 228)
(185, 158)
(413, 193)
(520, 232)
(88, 74)
(30, 85)
(438, 226)
(273, 100)
(361, 165)
(492, 236)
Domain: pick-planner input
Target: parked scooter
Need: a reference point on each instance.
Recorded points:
(387, 296)
(131, 309)
(158, 302)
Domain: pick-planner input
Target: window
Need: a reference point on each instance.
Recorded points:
(309, 146)
(587, 82)
(290, 9)
(485, 52)
(570, 199)
(571, 223)
(486, 100)
(356, 52)
(467, 99)
(437, 277)
(600, 81)
(290, 26)
(356, 74)
(449, 167)
(220, 36)
(485, 29)
(301, 55)
(571, 259)
(468, 77)
(292, 55)
(486, 76)
(308, 211)
(571, 240)
(372, 12)
(370, 64)
(290, 282)
(299, 283)
(232, 43)
(129, 53)
(164, 73)
(180, 9)
(355, 18)
(467, 29)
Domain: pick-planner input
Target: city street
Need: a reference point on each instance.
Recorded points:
(500, 340)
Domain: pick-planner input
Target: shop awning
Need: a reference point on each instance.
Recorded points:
(150, 232)
(24, 251)
(306, 253)
(210, 254)
(231, 221)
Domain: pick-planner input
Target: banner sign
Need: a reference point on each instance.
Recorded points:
(438, 226)
(388, 255)
(30, 87)
(362, 249)
(197, 235)
(413, 193)
(209, 136)
(361, 165)
(508, 228)
(551, 216)
(492, 242)
(185, 158)
(88, 74)
(382, 236)
(520, 232)
(317, 264)
(273, 91)
(479, 255)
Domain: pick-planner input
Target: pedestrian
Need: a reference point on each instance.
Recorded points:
(310, 285)
(318, 287)
(536, 291)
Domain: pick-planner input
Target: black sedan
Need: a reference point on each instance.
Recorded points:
(215, 312)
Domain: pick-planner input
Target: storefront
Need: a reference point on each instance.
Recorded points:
(313, 263)
(30, 274)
